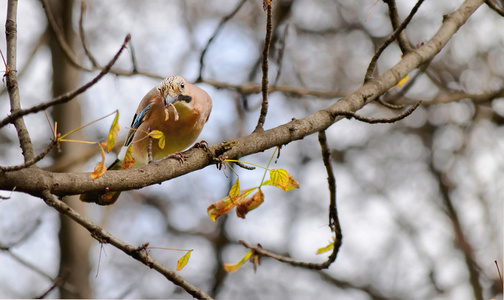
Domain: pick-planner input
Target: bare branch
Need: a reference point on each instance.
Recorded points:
(57, 283)
(495, 6)
(65, 97)
(67, 50)
(139, 254)
(389, 40)
(83, 36)
(224, 20)
(251, 88)
(12, 83)
(402, 40)
(30, 162)
(265, 54)
(71, 183)
(383, 120)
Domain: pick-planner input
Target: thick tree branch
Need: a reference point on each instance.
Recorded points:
(69, 183)
(139, 254)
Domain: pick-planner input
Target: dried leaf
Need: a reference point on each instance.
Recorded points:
(99, 170)
(230, 268)
(223, 206)
(112, 135)
(249, 204)
(281, 179)
(183, 260)
(128, 160)
(220, 208)
(158, 135)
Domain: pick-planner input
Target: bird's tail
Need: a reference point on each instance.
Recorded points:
(104, 198)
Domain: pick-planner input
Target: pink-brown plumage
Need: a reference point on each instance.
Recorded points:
(176, 108)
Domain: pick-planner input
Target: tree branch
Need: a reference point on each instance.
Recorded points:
(83, 35)
(264, 82)
(140, 254)
(12, 84)
(16, 115)
(495, 6)
(31, 161)
(224, 20)
(389, 40)
(402, 39)
(70, 183)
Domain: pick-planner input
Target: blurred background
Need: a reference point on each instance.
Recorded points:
(420, 201)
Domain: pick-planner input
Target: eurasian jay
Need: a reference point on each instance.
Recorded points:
(176, 108)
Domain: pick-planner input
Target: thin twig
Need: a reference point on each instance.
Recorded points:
(334, 223)
(493, 5)
(389, 105)
(83, 36)
(67, 50)
(281, 50)
(333, 219)
(149, 150)
(31, 161)
(383, 120)
(251, 88)
(500, 276)
(389, 40)
(58, 283)
(402, 40)
(65, 97)
(265, 54)
(224, 20)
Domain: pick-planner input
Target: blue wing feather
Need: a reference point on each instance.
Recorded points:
(137, 121)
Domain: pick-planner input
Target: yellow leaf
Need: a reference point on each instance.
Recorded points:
(402, 81)
(128, 160)
(235, 189)
(158, 135)
(249, 204)
(112, 135)
(230, 268)
(183, 260)
(326, 248)
(281, 179)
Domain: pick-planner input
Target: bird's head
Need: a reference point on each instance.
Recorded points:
(173, 89)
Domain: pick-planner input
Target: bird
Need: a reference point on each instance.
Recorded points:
(174, 107)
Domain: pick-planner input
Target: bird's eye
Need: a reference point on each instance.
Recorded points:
(182, 85)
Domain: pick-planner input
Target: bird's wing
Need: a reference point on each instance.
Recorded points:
(137, 121)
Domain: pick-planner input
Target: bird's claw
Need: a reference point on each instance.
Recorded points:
(203, 145)
(178, 156)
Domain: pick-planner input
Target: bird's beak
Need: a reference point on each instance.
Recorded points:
(171, 100)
